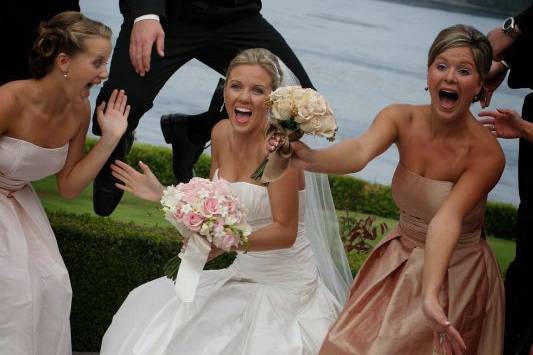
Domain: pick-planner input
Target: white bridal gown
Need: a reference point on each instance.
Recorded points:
(269, 302)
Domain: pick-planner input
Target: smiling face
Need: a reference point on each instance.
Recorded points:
(87, 68)
(453, 81)
(247, 87)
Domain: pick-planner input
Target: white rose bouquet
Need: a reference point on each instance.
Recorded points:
(294, 111)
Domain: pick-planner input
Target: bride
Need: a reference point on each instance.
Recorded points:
(281, 295)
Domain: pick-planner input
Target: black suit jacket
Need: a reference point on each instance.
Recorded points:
(169, 10)
(520, 54)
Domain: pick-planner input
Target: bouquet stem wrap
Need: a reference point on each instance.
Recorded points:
(193, 259)
(277, 162)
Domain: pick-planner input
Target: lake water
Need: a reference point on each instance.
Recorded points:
(361, 54)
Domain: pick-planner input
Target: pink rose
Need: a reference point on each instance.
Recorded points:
(178, 214)
(193, 221)
(227, 242)
(189, 196)
(210, 206)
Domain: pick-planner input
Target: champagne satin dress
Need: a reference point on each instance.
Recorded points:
(383, 314)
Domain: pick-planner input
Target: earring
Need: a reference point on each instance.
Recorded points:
(222, 107)
(426, 88)
(65, 75)
(476, 98)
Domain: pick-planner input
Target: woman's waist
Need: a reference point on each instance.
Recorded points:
(416, 231)
(295, 262)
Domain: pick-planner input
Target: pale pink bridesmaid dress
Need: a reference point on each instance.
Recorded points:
(35, 293)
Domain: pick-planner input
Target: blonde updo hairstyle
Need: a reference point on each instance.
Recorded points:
(262, 57)
(65, 33)
(465, 36)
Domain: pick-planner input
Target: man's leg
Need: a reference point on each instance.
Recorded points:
(251, 32)
(226, 41)
(141, 92)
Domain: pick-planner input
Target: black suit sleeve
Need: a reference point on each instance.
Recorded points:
(520, 54)
(131, 9)
(525, 22)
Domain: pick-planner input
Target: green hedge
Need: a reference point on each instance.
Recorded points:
(106, 260)
(348, 192)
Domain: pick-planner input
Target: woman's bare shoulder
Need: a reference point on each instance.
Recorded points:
(220, 131)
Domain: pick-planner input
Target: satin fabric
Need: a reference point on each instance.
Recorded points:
(383, 314)
(35, 292)
(270, 302)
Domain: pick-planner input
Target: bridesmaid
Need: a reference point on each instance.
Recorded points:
(43, 123)
(433, 283)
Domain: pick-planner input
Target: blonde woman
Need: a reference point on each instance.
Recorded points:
(272, 299)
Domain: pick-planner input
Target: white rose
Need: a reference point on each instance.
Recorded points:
(310, 104)
(311, 126)
(283, 92)
(282, 108)
(171, 197)
(321, 125)
(328, 127)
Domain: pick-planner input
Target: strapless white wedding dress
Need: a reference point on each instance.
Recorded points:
(269, 302)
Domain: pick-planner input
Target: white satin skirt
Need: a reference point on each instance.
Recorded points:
(265, 303)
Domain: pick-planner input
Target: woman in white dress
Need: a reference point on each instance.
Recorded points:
(272, 299)
(43, 124)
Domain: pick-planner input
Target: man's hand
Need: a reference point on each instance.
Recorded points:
(496, 75)
(499, 42)
(143, 36)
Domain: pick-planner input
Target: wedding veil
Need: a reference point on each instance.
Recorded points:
(322, 225)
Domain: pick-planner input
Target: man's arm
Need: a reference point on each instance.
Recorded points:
(524, 22)
(146, 31)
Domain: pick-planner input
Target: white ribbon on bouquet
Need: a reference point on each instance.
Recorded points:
(193, 260)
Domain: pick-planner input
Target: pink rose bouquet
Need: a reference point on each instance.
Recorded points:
(206, 210)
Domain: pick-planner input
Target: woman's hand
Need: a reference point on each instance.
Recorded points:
(215, 252)
(447, 339)
(301, 154)
(496, 75)
(113, 117)
(274, 141)
(503, 123)
(143, 185)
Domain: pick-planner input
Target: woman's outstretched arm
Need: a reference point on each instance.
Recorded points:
(353, 154)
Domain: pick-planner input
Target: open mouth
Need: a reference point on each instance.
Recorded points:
(448, 98)
(242, 115)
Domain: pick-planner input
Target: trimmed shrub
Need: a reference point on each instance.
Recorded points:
(106, 260)
(500, 220)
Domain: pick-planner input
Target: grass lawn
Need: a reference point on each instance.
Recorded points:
(147, 213)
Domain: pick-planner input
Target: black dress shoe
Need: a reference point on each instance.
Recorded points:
(189, 134)
(106, 195)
